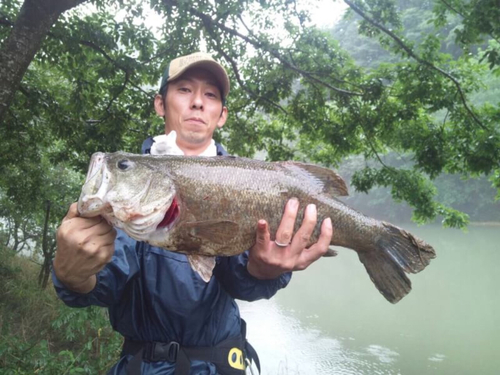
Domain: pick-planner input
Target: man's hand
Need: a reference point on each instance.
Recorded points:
(84, 247)
(267, 260)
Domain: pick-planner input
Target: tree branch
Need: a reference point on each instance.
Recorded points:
(368, 140)
(34, 21)
(122, 88)
(234, 66)
(242, 84)
(127, 72)
(95, 47)
(408, 50)
(452, 9)
(258, 44)
(463, 17)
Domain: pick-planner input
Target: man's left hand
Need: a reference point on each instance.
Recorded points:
(268, 260)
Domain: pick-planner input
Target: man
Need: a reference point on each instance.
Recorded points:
(172, 320)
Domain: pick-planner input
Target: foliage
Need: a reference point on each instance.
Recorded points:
(403, 95)
(480, 23)
(415, 22)
(34, 195)
(55, 340)
(296, 93)
(473, 197)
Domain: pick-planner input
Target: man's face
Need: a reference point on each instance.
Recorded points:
(192, 107)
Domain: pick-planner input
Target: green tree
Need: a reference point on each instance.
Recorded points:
(419, 19)
(62, 112)
(33, 22)
(76, 80)
(296, 93)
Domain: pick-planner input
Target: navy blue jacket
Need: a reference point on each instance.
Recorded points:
(154, 295)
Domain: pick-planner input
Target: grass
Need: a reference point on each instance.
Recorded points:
(39, 334)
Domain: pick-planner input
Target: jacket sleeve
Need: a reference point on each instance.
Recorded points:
(111, 280)
(232, 274)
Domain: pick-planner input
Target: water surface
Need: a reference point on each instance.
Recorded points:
(332, 320)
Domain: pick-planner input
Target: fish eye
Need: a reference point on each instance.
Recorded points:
(124, 164)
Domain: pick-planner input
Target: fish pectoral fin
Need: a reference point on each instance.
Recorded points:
(217, 231)
(203, 265)
(330, 182)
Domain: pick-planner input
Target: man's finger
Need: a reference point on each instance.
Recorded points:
(102, 227)
(285, 230)
(263, 236)
(320, 248)
(303, 235)
(84, 223)
(108, 235)
(102, 258)
(72, 212)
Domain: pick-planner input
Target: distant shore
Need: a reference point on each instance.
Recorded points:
(485, 223)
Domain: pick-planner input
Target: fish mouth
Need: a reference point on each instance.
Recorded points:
(170, 216)
(92, 198)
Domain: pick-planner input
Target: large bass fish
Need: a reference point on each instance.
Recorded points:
(208, 206)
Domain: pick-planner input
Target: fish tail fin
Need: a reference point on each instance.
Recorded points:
(395, 253)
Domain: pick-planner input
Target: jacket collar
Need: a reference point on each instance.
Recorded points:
(146, 147)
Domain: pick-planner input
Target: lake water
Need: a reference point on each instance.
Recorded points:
(332, 320)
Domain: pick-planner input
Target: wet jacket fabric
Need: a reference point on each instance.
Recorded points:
(154, 295)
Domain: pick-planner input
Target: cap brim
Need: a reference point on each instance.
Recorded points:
(213, 67)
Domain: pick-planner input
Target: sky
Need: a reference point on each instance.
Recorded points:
(324, 13)
(327, 12)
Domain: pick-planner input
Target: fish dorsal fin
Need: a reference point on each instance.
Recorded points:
(218, 231)
(330, 182)
(203, 265)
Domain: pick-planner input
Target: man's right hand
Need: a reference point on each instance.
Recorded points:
(84, 247)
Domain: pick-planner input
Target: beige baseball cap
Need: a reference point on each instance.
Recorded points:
(201, 60)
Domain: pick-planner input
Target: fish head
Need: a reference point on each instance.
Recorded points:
(130, 193)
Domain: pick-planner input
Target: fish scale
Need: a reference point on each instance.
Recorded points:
(218, 201)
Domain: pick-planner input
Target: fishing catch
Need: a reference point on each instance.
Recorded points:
(209, 206)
